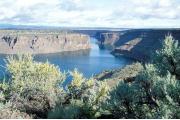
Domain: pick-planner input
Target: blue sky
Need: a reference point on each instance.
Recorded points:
(92, 13)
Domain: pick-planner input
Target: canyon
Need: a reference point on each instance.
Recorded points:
(138, 44)
(41, 41)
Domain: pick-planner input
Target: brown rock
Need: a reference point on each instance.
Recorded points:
(36, 42)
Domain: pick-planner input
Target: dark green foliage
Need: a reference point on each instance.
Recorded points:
(146, 97)
(155, 91)
(70, 111)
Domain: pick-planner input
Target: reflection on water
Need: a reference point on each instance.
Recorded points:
(89, 62)
(66, 54)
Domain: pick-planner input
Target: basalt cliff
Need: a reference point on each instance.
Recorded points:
(138, 44)
(40, 42)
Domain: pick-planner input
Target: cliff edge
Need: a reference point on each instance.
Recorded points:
(40, 42)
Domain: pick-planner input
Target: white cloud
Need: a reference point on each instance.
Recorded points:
(92, 13)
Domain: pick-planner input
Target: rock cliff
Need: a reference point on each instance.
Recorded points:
(138, 44)
(36, 42)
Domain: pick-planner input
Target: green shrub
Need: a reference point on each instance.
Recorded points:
(28, 74)
(168, 58)
(33, 87)
(155, 91)
(149, 96)
(7, 112)
(36, 88)
(84, 98)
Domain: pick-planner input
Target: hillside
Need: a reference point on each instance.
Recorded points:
(138, 44)
(127, 74)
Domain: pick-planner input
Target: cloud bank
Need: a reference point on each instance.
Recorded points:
(91, 13)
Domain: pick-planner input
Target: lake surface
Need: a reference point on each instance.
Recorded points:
(89, 62)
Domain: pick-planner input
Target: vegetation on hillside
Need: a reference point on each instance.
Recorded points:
(35, 90)
(155, 91)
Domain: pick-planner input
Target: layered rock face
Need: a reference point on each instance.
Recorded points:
(108, 39)
(36, 42)
(138, 44)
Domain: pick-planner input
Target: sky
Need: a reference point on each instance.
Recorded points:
(92, 13)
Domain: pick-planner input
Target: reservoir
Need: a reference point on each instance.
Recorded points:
(88, 62)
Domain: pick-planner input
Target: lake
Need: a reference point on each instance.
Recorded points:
(89, 62)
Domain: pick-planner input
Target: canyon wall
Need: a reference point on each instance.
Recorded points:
(40, 42)
(138, 44)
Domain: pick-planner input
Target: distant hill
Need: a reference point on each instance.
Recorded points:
(39, 27)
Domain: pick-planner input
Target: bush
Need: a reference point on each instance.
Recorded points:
(155, 91)
(7, 112)
(167, 59)
(149, 96)
(28, 74)
(36, 89)
(84, 98)
(33, 87)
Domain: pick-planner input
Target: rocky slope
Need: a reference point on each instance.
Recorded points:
(138, 44)
(127, 74)
(35, 42)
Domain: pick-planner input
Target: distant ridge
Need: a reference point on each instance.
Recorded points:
(36, 27)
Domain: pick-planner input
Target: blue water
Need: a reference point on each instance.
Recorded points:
(89, 62)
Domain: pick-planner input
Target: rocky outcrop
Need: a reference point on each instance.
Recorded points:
(106, 40)
(36, 42)
(138, 44)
